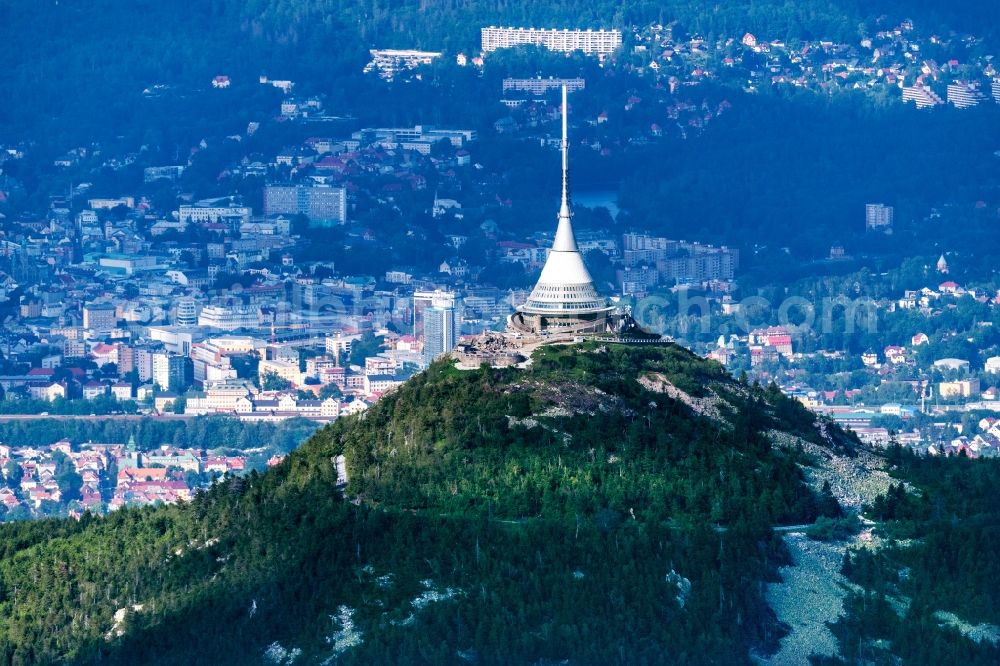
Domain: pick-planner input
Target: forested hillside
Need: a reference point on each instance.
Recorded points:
(574, 510)
(931, 586)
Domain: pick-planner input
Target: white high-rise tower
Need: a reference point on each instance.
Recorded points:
(565, 298)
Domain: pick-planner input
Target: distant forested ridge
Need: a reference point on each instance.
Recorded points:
(796, 167)
(570, 511)
(82, 63)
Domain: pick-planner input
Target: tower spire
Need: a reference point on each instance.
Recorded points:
(564, 298)
(564, 240)
(565, 155)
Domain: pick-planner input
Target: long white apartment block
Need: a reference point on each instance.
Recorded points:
(600, 42)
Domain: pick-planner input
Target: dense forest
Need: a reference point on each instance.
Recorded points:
(798, 172)
(569, 511)
(942, 527)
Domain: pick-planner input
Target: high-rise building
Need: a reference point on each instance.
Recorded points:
(171, 371)
(995, 87)
(440, 328)
(565, 298)
(323, 205)
(878, 217)
(126, 359)
(601, 42)
(426, 299)
(142, 357)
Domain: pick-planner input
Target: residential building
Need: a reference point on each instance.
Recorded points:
(775, 337)
(600, 42)
(224, 396)
(143, 359)
(922, 96)
(878, 217)
(338, 344)
(47, 390)
(993, 364)
(539, 86)
(210, 364)
(94, 389)
(172, 173)
(287, 370)
(124, 264)
(108, 204)
(121, 391)
(390, 62)
(680, 260)
(964, 94)
(99, 317)
(323, 205)
(171, 371)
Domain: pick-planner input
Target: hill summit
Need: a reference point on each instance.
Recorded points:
(607, 504)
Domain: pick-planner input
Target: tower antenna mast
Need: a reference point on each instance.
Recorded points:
(565, 158)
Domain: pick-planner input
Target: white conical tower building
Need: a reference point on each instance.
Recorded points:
(565, 298)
